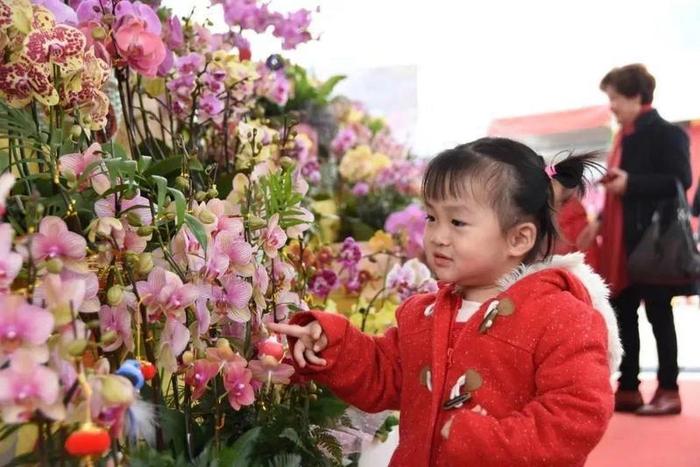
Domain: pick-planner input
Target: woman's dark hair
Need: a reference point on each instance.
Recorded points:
(512, 179)
(631, 81)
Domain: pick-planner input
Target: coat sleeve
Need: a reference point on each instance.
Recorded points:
(673, 162)
(363, 370)
(569, 412)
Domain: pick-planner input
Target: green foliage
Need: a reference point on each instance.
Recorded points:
(305, 91)
(280, 197)
(362, 216)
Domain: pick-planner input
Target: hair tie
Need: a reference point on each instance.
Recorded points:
(550, 170)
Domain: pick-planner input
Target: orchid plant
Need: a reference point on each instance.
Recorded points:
(154, 215)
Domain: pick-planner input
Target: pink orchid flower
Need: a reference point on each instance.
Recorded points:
(117, 319)
(238, 251)
(10, 262)
(54, 240)
(187, 251)
(63, 298)
(217, 263)
(225, 354)
(234, 297)
(199, 374)
(268, 370)
(7, 181)
(26, 386)
(287, 302)
(88, 166)
(22, 324)
(273, 237)
(127, 239)
(227, 217)
(173, 341)
(237, 383)
(139, 10)
(138, 204)
(305, 219)
(261, 282)
(201, 310)
(91, 302)
(283, 273)
(143, 50)
(164, 292)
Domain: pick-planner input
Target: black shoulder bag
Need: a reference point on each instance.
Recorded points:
(667, 253)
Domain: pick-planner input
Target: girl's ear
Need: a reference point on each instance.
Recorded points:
(521, 239)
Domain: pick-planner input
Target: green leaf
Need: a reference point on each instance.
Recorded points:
(174, 431)
(285, 460)
(4, 160)
(195, 165)
(327, 87)
(165, 167)
(326, 408)
(197, 229)
(120, 168)
(144, 163)
(162, 184)
(115, 149)
(180, 205)
(241, 452)
(292, 435)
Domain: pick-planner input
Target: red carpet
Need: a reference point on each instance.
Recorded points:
(651, 442)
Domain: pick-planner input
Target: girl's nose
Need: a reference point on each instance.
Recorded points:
(439, 237)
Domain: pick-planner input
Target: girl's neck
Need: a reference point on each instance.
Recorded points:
(480, 294)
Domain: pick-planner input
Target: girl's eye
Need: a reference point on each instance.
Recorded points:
(458, 223)
(429, 218)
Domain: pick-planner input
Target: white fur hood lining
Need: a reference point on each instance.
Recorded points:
(597, 289)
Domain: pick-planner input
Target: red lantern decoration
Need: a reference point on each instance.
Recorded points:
(148, 370)
(271, 347)
(88, 440)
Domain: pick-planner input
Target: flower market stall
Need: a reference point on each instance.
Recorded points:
(163, 196)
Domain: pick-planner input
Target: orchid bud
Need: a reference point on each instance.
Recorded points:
(222, 343)
(75, 132)
(132, 259)
(108, 19)
(109, 337)
(144, 231)
(70, 176)
(77, 347)
(133, 219)
(115, 295)
(256, 222)
(54, 265)
(145, 263)
(182, 183)
(213, 192)
(207, 216)
(99, 33)
(187, 357)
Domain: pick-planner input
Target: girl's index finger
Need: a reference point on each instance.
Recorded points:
(288, 329)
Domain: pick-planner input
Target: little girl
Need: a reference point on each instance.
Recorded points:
(509, 363)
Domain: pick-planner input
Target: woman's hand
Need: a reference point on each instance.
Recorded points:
(615, 181)
(310, 341)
